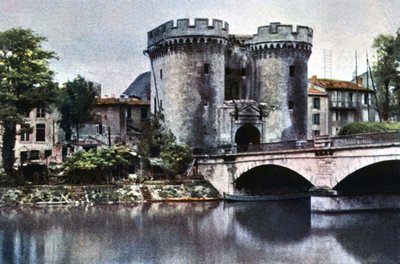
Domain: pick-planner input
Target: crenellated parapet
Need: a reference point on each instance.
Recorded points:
(183, 30)
(276, 32)
(277, 40)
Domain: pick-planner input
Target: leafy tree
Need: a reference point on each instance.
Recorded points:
(26, 82)
(386, 71)
(75, 103)
(175, 157)
(157, 142)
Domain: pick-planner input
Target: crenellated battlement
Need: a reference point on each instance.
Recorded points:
(183, 28)
(276, 32)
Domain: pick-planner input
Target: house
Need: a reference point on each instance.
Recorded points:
(37, 144)
(116, 121)
(335, 103)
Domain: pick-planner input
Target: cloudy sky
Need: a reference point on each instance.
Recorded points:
(103, 40)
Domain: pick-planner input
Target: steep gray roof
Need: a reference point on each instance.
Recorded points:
(139, 88)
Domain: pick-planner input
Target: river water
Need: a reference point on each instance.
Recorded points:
(197, 232)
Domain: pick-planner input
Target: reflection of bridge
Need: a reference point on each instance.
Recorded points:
(325, 161)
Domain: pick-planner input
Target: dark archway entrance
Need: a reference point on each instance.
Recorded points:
(271, 179)
(247, 134)
(378, 178)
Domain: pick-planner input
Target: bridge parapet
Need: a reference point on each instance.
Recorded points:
(319, 144)
(365, 139)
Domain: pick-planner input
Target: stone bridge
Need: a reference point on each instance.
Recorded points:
(324, 162)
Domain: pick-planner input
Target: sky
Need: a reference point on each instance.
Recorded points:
(103, 40)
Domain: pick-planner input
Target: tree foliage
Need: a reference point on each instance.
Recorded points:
(175, 157)
(386, 71)
(75, 103)
(159, 144)
(94, 166)
(26, 82)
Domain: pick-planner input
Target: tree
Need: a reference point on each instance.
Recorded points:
(386, 71)
(175, 157)
(26, 82)
(157, 142)
(75, 103)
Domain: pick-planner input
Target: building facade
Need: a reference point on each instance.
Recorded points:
(116, 121)
(334, 103)
(213, 88)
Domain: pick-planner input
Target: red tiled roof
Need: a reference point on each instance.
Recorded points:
(120, 101)
(313, 90)
(336, 84)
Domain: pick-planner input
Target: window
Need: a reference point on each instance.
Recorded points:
(128, 113)
(161, 74)
(143, 113)
(290, 105)
(24, 156)
(34, 155)
(291, 70)
(206, 68)
(99, 129)
(316, 119)
(316, 132)
(47, 153)
(337, 116)
(232, 91)
(316, 103)
(40, 132)
(366, 98)
(25, 132)
(351, 98)
(243, 71)
(40, 112)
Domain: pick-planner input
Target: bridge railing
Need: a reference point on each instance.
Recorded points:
(365, 139)
(264, 147)
(318, 143)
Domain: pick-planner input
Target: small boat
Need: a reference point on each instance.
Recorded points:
(272, 197)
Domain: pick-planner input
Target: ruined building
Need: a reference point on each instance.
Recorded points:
(213, 88)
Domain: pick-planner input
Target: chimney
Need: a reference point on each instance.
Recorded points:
(359, 81)
(314, 78)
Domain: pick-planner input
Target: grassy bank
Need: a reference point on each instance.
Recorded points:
(98, 194)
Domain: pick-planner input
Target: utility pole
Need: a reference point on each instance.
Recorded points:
(369, 114)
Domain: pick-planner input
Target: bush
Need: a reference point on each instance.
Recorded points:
(368, 127)
(94, 166)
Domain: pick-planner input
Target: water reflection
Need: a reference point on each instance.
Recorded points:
(371, 237)
(196, 233)
(275, 222)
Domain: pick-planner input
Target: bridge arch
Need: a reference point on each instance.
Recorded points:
(247, 134)
(271, 179)
(377, 178)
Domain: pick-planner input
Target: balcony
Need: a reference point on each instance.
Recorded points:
(342, 104)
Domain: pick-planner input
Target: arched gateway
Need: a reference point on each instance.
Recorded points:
(247, 135)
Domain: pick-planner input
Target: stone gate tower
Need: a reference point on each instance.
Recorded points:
(280, 57)
(214, 88)
(188, 63)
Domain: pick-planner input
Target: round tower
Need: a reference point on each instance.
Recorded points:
(280, 57)
(187, 67)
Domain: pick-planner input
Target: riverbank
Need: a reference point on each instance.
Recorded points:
(151, 191)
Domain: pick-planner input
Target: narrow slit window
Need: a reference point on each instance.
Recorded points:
(206, 68)
(161, 75)
(291, 70)
(290, 105)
